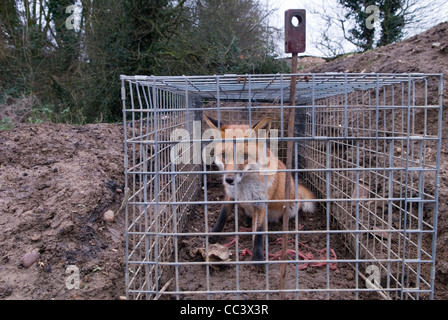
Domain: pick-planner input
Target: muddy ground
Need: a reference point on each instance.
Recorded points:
(56, 182)
(224, 278)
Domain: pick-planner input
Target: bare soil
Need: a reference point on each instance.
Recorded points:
(225, 278)
(56, 182)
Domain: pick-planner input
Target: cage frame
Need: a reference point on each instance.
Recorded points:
(187, 94)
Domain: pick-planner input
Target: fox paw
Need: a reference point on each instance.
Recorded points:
(213, 239)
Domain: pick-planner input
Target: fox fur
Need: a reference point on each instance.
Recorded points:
(244, 179)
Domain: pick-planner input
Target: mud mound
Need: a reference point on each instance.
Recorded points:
(423, 53)
(56, 181)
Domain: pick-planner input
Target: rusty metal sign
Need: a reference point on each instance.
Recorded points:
(295, 31)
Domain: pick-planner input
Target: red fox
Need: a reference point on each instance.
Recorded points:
(244, 179)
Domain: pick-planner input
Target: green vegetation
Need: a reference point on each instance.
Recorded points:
(393, 16)
(69, 54)
(5, 124)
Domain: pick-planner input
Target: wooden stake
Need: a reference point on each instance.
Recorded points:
(290, 147)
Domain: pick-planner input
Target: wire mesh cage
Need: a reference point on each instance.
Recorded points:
(363, 144)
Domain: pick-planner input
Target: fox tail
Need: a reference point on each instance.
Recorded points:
(306, 194)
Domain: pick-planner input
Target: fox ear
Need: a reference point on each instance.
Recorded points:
(264, 124)
(212, 122)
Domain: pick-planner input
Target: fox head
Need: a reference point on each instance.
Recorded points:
(241, 148)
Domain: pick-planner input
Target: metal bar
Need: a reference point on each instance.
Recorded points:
(436, 191)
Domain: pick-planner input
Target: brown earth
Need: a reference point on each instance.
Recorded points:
(56, 182)
(224, 278)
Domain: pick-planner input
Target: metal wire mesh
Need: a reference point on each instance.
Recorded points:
(366, 144)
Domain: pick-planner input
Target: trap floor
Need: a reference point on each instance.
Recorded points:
(244, 281)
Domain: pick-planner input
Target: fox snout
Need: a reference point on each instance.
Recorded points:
(232, 179)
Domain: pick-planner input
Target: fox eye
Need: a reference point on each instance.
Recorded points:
(246, 156)
(223, 155)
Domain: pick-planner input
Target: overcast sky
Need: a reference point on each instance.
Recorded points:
(313, 23)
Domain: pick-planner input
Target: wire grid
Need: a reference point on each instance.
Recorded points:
(362, 143)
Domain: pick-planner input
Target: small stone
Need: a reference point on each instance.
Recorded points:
(349, 276)
(66, 228)
(109, 216)
(35, 237)
(118, 190)
(30, 258)
(436, 44)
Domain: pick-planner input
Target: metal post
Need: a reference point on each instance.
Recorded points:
(294, 43)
